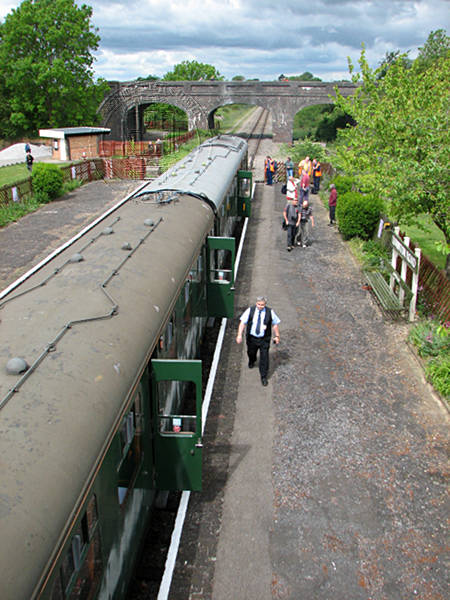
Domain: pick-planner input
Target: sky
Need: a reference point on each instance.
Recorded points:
(259, 39)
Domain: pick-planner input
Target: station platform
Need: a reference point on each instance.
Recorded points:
(329, 483)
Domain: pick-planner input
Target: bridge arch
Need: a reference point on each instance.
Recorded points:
(201, 98)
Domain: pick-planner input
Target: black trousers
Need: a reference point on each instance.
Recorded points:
(291, 234)
(262, 344)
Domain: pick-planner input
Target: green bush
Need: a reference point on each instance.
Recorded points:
(438, 373)
(357, 215)
(344, 184)
(375, 254)
(47, 181)
(306, 147)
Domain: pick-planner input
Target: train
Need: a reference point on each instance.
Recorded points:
(101, 381)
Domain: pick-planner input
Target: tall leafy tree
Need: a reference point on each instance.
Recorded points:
(400, 146)
(46, 76)
(191, 70)
(436, 46)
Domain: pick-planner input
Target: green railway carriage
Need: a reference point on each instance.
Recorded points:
(100, 382)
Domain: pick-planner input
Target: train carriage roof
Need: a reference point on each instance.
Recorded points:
(207, 172)
(54, 427)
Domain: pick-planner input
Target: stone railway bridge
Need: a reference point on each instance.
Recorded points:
(123, 109)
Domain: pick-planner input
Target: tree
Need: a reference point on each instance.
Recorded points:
(399, 149)
(306, 76)
(191, 70)
(238, 78)
(148, 78)
(46, 77)
(436, 46)
(391, 57)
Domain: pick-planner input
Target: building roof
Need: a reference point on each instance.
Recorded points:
(63, 132)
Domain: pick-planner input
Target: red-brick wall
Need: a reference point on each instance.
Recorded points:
(78, 144)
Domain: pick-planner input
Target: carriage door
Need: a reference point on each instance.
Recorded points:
(244, 193)
(220, 285)
(177, 423)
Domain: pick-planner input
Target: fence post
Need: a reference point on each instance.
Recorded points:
(401, 294)
(414, 286)
(394, 260)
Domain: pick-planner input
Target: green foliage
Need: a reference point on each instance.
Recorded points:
(46, 79)
(375, 254)
(357, 214)
(229, 117)
(344, 184)
(306, 76)
(399, 150)
(438, 373)
(13, 211)
(47, 181)
(238, 78)
(161, 112)
(304, 148)
(148, 78)
(319, 122)
(430, 338)
(437, 46)
(432, 341)
(389, 59)
(191, 70)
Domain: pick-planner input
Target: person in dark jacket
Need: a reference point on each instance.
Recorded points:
(332, 202)
(259, 321)
(291, 216)
(29, 160)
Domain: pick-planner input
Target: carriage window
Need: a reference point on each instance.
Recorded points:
(130, 434)
(220, 262)
(80, 572)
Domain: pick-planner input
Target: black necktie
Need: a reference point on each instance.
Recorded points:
(258, 323)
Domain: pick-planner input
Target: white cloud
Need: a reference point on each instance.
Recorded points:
(255, 38)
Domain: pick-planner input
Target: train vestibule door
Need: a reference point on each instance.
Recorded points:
(177, 423)
(244, 206)
(220, 281)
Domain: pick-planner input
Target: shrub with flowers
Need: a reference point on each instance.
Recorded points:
(432, 341)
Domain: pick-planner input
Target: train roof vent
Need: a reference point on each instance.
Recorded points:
(107, 231)
(149, 222)
(126, 246)
(75, 258)
(16, 365)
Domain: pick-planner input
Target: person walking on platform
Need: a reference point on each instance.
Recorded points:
(29, 161)
(259, 320)
(317, 174)
(305, 216)
(289, 167)
(304, 187)
(291, 213)
(332, 201)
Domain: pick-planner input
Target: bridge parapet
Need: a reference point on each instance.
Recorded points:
(200, 99)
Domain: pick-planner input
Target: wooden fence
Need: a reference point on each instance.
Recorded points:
(434, 290)
(109, 148)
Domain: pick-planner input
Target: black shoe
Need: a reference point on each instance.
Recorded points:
(251, 364)
(264, 381)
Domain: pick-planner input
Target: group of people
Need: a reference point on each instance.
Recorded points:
(297, 213)
(259, 322)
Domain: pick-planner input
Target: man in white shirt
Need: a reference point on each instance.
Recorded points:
(260, 320)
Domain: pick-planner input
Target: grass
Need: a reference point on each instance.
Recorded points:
(13, 211)
(425, 234)
(232, 116)
(13, 173)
